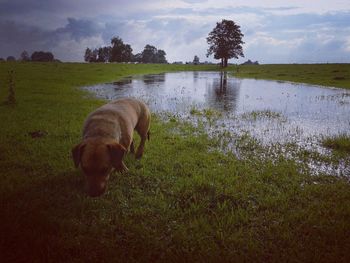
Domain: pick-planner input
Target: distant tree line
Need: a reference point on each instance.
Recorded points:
(121, 52)
(37, 56)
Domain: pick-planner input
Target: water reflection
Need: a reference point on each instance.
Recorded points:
(195, 76)
(153, 79)
(123, 82)
(224, 93)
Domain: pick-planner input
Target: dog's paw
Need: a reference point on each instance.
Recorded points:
(138, 156)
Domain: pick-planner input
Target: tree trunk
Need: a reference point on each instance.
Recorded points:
(222, 62)
(225, 64)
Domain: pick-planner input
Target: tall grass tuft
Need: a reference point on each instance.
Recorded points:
(11, 99)
(340, 143)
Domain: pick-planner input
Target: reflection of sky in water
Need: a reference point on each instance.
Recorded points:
(306, 111)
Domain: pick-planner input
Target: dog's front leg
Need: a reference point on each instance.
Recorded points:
(132, 147)
(141, 147)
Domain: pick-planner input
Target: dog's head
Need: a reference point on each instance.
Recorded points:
(97, 160)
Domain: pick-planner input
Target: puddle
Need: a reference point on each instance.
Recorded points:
(270, 111)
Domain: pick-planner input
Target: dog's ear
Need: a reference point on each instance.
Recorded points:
(76, 153)
(117, 153)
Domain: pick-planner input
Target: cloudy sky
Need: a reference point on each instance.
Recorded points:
(301, 31)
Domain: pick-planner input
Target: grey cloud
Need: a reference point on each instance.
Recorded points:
(67, 8)
(81, 28)
(180, 29)
(11, 7)
(114, 29)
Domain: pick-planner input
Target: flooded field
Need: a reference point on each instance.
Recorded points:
(295, 116)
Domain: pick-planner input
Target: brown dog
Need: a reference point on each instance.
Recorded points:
(107, 136)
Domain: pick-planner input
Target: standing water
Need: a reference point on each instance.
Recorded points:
(270, 111)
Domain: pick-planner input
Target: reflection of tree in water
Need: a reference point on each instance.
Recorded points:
(223, 93)
(123, 82)
(195, 76)
(152, 79)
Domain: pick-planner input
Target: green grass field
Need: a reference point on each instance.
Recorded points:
(334, 75)
(185, 201)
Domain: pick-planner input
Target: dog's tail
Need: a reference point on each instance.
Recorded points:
(148, 134)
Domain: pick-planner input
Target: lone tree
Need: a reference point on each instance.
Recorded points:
(225, 41)
(25, 56)
(196, 60)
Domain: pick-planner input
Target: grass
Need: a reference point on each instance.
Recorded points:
(334, 75)
(181, 203)
(340, 143)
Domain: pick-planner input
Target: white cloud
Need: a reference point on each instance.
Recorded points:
(281, 7)
(347, 45)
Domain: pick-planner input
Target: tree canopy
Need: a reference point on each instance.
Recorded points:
(151, 54)
(90, 55)
(42, 56)
(121, 52)
(225, 41)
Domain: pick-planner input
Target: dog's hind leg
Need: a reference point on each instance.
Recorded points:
(143, 131)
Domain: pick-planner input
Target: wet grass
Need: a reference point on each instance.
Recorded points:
(209, 113)
(254, 115)
(340, 143)
(185, 201)
(334, 75)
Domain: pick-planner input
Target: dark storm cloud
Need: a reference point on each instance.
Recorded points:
(16, 37)
(18, 7)
(13, 32)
